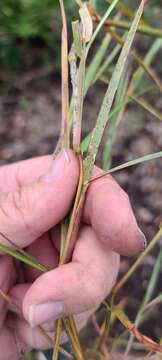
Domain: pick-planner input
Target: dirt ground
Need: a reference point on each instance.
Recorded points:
(29, 126)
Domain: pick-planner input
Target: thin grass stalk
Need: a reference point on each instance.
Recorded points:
(138, 59)
(26, 260)
(86, 141)
(126, 10)
(138, 100)
(58, 333)
(96, 63)
(100, 24)
(128, 164)
(133, 53)
(142, 29)
(70, 240)
(74, 340)
(147, 342)
(146, 106)
(156, 301)
(109, 320)
(75, 332)
(112, 131)
(104, 67)
(65, 143)
(23, 253)
(125, 25)
(59, 324)
(151, 286)
(104, 332)
(137, 263)
(139, 73)
(65, 79)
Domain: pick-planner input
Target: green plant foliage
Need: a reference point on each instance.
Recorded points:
(22, 20)
(28, 18)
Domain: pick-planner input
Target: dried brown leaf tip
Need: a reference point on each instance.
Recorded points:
(149, 343)
(87, 23)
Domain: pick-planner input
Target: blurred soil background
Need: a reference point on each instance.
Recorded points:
(30, 113)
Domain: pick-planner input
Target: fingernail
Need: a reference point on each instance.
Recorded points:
(42, 313)
(58, 166)
(143, 240)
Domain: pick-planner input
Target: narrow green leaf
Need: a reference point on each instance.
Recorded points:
(28, 261)
(57, 340)
(142, 29)
(145, 105)
(110, 95)
(156, 301)
(138, 262)
(126, 10)
(138, 76)
(86, 141)
(140, 61)
(150, 289)
(95, 64)
(120, 99)
(130, 163)
(107, 62)
(101, 23)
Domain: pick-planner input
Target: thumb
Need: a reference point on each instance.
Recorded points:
(35, 208)
(73, 288)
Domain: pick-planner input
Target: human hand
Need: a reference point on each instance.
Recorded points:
(31, 207)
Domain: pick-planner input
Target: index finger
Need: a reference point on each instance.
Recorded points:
(108, 210)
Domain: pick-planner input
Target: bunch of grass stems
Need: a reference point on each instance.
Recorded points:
(122, 89)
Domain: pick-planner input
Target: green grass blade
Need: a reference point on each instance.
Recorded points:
(26, 260)
(139, 100)
(126, 10)
(156, 301)
(107, 62)
(18, 249)
(95, 64)
(130, 163)
(138, 262)
(57, 339)
(142, 29)
(138, 76)
(139, 60)
(110, 95)
(101, 23)
(86, 141)
(112, 132)
(146, 106)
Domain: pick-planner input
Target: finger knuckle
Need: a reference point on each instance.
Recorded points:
(20, 203)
